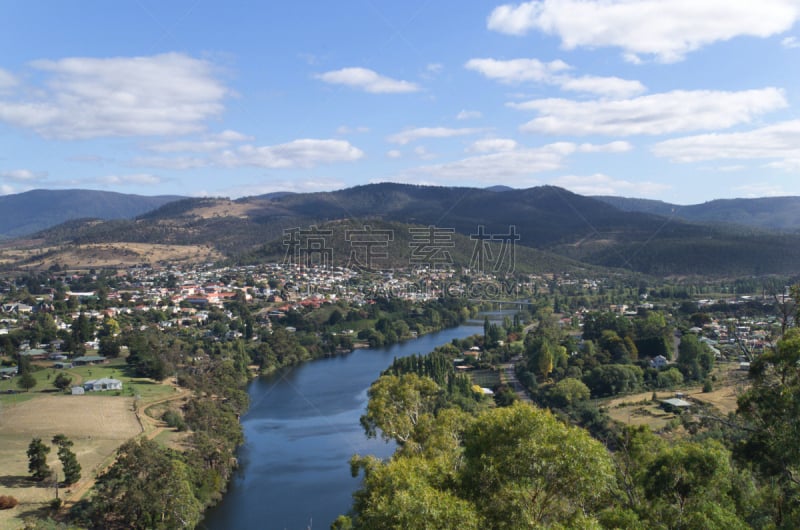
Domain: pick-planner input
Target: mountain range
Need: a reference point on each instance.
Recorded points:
(561, 228)
(24, 213)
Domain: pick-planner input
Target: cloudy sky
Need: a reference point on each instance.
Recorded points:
(679, 100)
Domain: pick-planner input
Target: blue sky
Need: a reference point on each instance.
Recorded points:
(683, 101)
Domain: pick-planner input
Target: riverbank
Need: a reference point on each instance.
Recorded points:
(300, 431)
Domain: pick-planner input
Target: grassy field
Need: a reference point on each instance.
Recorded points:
(97, 425)
(146, 389)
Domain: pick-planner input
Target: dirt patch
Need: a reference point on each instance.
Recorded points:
(97, 425)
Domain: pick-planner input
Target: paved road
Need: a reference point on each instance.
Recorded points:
(509, 376)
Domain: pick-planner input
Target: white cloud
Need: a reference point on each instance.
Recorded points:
(516, 70)
(412, 135)
(272, 186)
(509, 167)
(611, 147)
(790, 42)
(165, 162)
(368, 81)
(201, 146)
(614, 87)
(753, 191)
(394, 153)
(231, 136)
(533, 70)
(22, 175)
(7, 80)
(492, 145)
(423, 154)
(5, 189)
(126, 180)
(600, 184)
(663, 113)
(667, 30)
(168, 94)
(468, 115)
(779, 141)
(303, 153)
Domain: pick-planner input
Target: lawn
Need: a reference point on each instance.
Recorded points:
(147, 389)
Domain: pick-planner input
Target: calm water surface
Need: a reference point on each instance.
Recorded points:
(300, 432)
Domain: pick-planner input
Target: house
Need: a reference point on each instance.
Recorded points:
(88, 359)
(659, 361)
(675, 405)
(8, 373)
(106, 383)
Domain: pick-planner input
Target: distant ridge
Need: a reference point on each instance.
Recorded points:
(499, 188)
(771, 213)
(22, 214)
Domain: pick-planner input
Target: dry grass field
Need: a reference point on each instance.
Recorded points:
(97, 425)
(104, 255)
(639, 409)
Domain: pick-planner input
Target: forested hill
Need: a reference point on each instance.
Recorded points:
(545, 218)
(774, 213)
(28, 212)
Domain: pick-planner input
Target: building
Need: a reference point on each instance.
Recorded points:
(106, 383)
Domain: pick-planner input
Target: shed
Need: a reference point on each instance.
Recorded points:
(78, 391)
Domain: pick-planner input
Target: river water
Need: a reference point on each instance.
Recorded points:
(300, 431)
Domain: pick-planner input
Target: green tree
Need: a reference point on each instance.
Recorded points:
(523, 468)
(569, 391)
(397, 404)
(62, 381)
(37, 459)
(409, 492)
(146, 488)
(69, 462)
(26, 381)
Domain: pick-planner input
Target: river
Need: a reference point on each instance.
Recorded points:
(300, 431)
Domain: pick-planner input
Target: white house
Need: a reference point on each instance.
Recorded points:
(659, 361)
(106, 383)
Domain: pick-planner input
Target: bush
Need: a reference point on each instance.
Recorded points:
(7, 502)
(174, 420)
(708, 386)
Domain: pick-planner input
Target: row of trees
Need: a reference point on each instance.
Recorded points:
(37, 459)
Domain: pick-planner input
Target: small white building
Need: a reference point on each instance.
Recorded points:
(78, 391)
(106, 383)
(659, 361)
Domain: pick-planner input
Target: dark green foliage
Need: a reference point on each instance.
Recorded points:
(26, 381)
(69, 462)
(174, 420)
(62, 381)
(611, 379)
(37, 459)
(147, 487)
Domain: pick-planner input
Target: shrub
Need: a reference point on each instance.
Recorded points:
(7, 502)
(174, 420)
